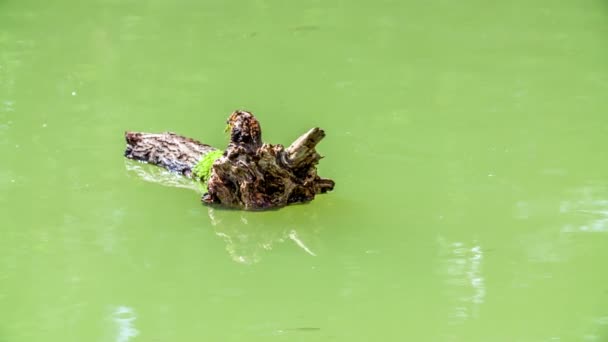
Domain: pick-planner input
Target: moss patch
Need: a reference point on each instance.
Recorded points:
(202, 170)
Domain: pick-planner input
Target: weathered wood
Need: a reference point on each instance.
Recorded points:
(168, 150)
(302, 151)
(250, 175)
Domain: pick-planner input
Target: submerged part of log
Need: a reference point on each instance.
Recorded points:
(250, 175)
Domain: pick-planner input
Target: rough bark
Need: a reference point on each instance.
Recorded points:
(169, 150)
(250, 175)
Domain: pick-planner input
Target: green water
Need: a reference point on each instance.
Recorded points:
(467, 141)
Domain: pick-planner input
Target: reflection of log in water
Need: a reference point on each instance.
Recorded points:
(248, 235)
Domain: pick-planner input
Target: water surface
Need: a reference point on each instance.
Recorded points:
(467, 140)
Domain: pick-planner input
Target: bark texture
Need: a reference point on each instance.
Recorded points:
(250, 175)
(169, 150)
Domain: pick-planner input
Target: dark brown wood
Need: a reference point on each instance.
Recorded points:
(250, 175)
(169, 150)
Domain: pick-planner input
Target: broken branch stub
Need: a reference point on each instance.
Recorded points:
(249, 175)
(302, 151)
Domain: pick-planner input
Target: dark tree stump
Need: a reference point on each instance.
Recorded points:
(249, 175)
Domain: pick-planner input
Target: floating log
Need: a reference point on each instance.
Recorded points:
(248, 174)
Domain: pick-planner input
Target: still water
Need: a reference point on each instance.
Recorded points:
(467, 140)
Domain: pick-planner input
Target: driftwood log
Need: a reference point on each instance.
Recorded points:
(249, 175)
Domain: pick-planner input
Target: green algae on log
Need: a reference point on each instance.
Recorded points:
(202, 169)
(249, 174)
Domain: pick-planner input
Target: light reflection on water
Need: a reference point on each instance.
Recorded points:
(462, 266)
(598, 329)
(124, 317)
(8, 106)
(590, 207)
(602, 320)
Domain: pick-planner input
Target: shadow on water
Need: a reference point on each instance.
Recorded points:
(248, 235)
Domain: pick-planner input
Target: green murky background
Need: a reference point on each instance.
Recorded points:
(468, 141)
